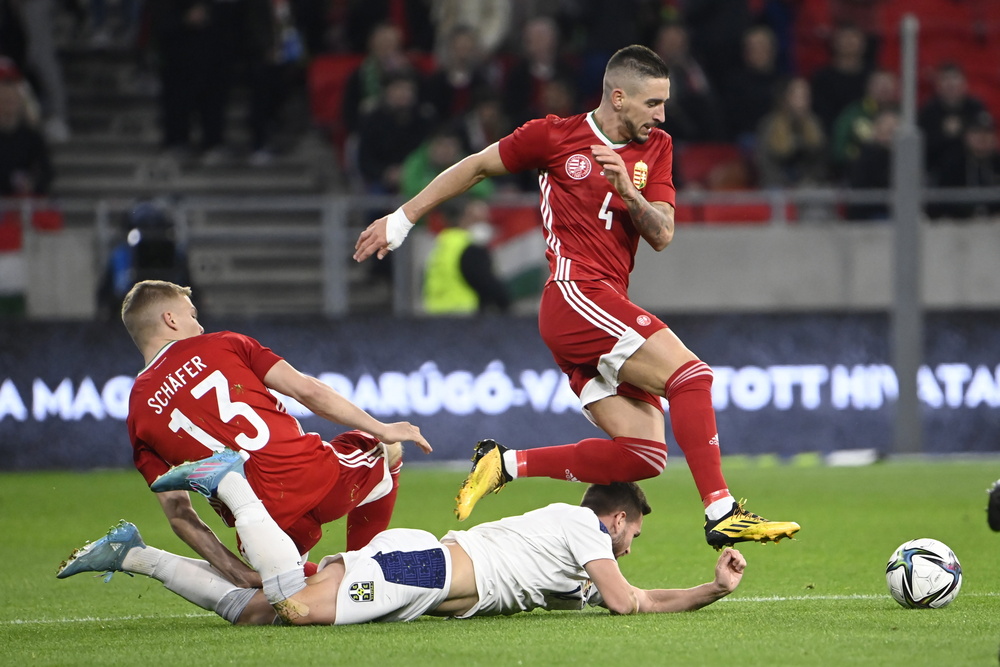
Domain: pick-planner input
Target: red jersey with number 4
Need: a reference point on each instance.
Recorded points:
(207, 392)
(588, 230)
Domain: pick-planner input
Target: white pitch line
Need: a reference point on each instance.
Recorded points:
(773, 598)
(853, 596)
(94, 619)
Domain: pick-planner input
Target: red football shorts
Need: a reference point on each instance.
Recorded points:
(591, 329)
(364, 477)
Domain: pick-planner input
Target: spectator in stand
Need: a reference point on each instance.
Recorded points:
(945, 117)
(539, 63)
(389, 133)
(441, 150)
(449, 89)
(25, 166)
(385, 58)
(38, 18)
(459, 277)
(872, 168)
(490, 18)
(412, 19)
(791, 145)
(485, 123)
(693, 112)
(842, 81)
(750, 88)
(854, 125)
(976, 166)
(717, 30)
(197, 41)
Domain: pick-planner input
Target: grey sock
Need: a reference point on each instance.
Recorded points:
(232, 605)
(284, 585)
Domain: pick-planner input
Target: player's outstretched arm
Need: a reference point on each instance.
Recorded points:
(194, 532)
(387, 233)
(327, 403)
(728, 573)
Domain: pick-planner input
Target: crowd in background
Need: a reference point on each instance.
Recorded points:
(438, 79)
(734, 80)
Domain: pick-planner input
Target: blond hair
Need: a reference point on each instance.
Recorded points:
(139, 308)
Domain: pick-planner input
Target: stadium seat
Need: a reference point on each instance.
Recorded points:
(687, 214)
(328, 75)
(710, 165)
(737, 213)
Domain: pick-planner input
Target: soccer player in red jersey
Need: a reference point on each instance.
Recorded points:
(606, 181)
(199, 394)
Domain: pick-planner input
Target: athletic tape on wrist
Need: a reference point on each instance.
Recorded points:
(397, 226)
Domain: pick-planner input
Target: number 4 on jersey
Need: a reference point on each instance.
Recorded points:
(606, 213)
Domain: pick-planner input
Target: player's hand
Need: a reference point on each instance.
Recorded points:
(372, 240)
(613, 168)
(729, 569)
(403, 431)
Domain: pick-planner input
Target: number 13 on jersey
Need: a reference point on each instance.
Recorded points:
(228, 410)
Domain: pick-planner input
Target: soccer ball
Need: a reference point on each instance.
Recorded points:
(923, 574)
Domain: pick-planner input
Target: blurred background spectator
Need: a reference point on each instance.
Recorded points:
(384, 57)
(459, 278)
(491, 20)
(750, 87)
(389, 133)
(460, 72)
(540, 61)
(196, 43)
(977, 165)
(442, 149)
(791, 145)
(853, 126)
(945, 117)
(693, 112)
(42, 62)
(25, 165)
(872, 168)
(718, 33)
(842, 81)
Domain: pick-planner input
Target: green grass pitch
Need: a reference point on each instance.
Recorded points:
(817, 600)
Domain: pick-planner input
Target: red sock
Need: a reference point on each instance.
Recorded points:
(367, 521)
(595, 460)
(692, 418)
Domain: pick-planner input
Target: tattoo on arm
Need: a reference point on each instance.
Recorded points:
(652, 222)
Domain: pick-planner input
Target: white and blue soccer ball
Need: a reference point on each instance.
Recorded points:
(923, 574)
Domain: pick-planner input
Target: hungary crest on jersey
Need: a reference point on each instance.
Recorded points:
(639, 174)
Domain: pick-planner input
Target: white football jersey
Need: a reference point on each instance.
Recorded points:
(536, 559)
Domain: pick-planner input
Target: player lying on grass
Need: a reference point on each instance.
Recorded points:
(556, 557)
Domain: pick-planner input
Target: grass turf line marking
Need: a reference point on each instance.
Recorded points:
(775, 598)
(806, 598)
(94, 619)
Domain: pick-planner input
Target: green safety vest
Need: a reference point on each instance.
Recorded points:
(445, 290)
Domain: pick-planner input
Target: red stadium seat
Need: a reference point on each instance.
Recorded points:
(328, 75)
(710, 165)
(738, 213)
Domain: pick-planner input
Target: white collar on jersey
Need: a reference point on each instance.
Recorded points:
(600, 134)
(163, 350)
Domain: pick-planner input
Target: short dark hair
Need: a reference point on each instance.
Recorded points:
(639, 61)
(616, 497)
